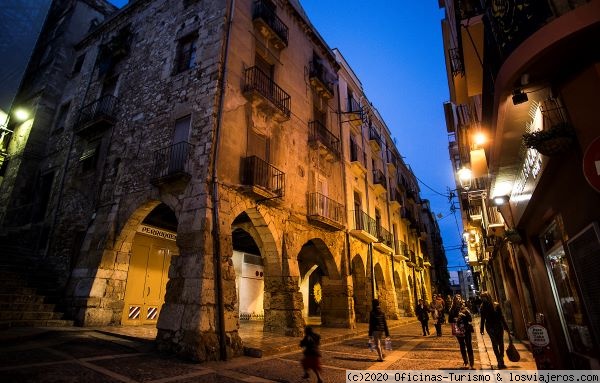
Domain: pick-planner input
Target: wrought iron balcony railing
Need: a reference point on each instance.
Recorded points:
(326, 210)
(256, 80)
(102, 110)
(402, 249)
(257, 172)
(385, 237)
(317, 132)
(362, 221)
(320, 77)
(172, 162)
(267, 14)
(391, 157)
(357, 154)
(396, 196)
(375, 137)
(379, 178)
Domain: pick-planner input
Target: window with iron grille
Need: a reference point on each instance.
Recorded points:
(186, 53)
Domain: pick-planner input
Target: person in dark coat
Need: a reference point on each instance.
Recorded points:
(312, 355)
(378, 327)
(461, 316)
(494, 323)
(422, 311)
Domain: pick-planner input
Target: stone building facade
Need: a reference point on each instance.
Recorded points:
(200, 129)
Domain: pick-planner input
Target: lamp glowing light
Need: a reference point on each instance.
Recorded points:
(465, 176)
(21, 114)
(480, 139)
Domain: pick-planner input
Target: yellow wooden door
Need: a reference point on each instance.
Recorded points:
(147, 279)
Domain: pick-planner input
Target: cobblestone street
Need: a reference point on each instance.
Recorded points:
(88, 355)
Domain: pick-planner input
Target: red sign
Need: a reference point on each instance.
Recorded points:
(591, 164)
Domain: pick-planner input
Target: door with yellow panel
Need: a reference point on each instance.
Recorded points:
(147, 279)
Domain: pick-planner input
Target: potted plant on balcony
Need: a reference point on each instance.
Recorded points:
(513, 236)
(549, 142)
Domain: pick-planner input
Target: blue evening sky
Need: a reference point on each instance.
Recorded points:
(395, 48)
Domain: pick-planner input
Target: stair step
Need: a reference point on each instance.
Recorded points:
(21, 298)
(29, 315)
(17, 290)
(6, 324)
(27, 306)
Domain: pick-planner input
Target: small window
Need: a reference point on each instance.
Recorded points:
(186, 53)
(78, 64)
(61, 116)
(89, 157)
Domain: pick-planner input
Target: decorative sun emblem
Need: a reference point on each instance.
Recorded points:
(317, 292)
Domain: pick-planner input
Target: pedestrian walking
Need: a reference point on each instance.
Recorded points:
(460, 318)
(422, 312)
(312, 355)
(494, 323)
(437, 313)
(378, 327)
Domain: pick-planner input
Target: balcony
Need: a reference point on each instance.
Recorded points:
(262, 179)
(325, 212)
(476, 213)
(374, 139)
(171, 165)
(358, 159)
(395, 199)
(319, 79)
(320, 138)
(408, 215)
(355, 112)
(379, 182)
(269, 25)
(98, 115)
(385, 241)
(363, 227)
(266, 94)
(391, 158)
(412, 259)
(401, 252)
(411, 194)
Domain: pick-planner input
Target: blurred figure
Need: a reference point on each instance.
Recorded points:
(312, 355)
(461, 317)
(422, 311)
(378, 327)
(494, 323)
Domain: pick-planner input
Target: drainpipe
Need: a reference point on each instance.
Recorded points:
(215, 188)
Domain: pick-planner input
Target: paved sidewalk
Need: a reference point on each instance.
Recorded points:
(128, 354)
(488, 359)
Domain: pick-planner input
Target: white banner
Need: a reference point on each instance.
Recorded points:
(503, 376)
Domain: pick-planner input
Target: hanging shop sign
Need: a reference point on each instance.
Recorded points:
(591, 164)
(538, 335)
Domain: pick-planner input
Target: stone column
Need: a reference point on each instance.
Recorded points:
(283, 306)
(188, 323)
(336, 304)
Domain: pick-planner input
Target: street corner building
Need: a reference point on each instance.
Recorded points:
(196, 165)
(522, 121)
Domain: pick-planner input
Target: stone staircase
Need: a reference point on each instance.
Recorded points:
(28, 293)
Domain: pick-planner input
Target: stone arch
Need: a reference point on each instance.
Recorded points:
(359, 283)
(281, 315)
(100, 278)
(400, 291)
(325, 295)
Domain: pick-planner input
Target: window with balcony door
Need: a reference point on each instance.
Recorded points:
(186, 53)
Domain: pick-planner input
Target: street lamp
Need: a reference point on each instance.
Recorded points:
(465, 177)
(21, 114)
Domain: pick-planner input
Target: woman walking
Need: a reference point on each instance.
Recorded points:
(378, 327)
(494, 323)
(422, 312)
(460, 318)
